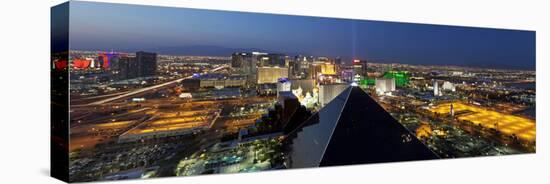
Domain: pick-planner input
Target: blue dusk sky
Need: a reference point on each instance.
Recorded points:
(119, 27)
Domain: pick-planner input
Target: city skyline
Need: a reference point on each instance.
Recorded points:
(209, 32)
(258, 92)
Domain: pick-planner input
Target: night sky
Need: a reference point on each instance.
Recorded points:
(102, 26)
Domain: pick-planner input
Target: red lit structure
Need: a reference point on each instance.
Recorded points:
(105, 58)
(60, 64)
(81, 63)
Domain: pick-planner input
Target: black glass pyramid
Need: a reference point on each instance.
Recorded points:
(352, 129)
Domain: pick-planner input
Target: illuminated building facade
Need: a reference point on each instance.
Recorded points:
(213, 81)
(449, 86)
(437, 92)
(271, 75)
(328, 69)
(401, 77)
(385, 85)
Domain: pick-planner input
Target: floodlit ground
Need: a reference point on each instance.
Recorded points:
(523, 128)
(177, 121)
(87, 136)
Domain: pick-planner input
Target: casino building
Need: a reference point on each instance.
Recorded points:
(352, 129)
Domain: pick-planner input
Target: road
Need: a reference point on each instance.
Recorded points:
(148, 88)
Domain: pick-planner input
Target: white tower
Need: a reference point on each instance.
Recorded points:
(436, 88)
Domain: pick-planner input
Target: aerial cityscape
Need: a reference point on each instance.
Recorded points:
(230, 92)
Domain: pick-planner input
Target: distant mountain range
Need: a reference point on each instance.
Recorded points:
(199, 50)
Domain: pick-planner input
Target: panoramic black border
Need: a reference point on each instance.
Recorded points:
(59, 86)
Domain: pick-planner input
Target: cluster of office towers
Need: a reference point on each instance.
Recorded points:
(262, 68)
(143, 64)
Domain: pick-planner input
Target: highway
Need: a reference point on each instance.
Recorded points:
(149, 88)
